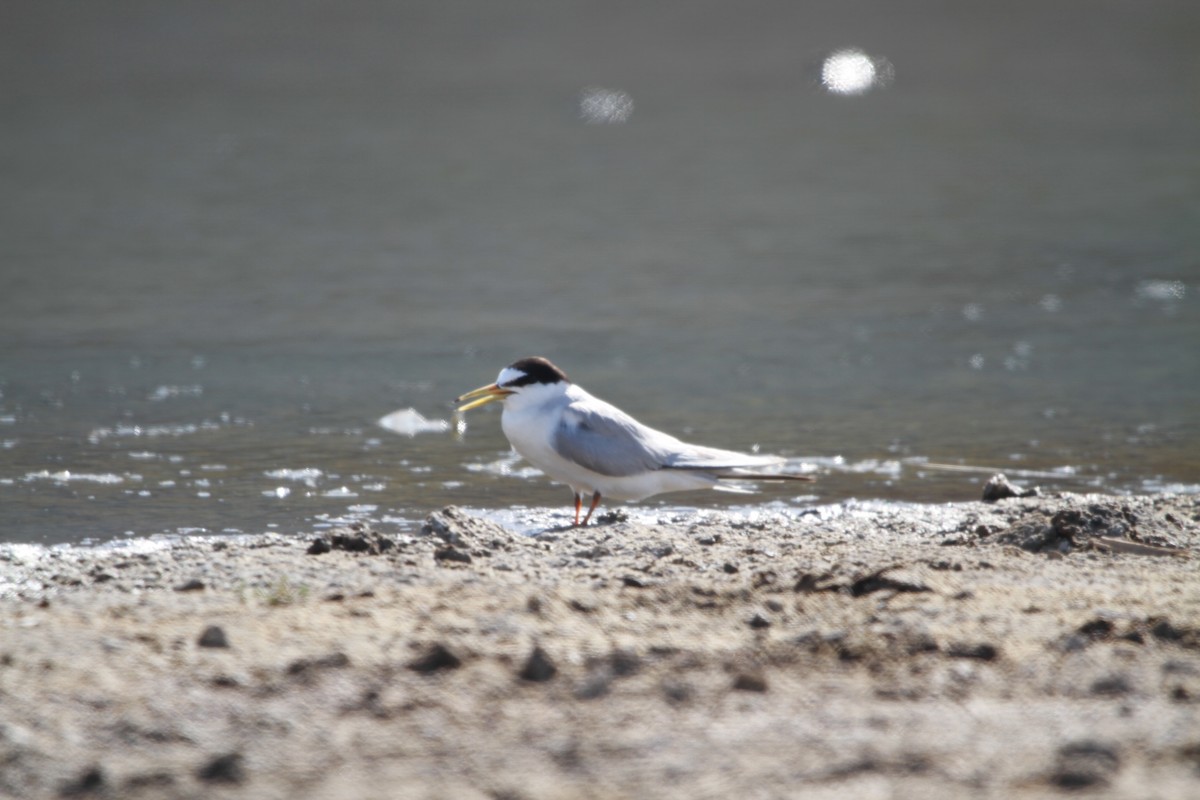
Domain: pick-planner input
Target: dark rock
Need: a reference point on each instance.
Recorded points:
(150, 780)
(91, 781)
(750, 682)
(729, 568)
(809, 582)
(1071, 525)
(1084, 764)
(758, 621)
(226, 768)
(998, 487)
(437, 658)
(624, 662)
(1097, 628)
(1112, 685)
(915, 642)
(578, 605)
(593, 553)
(982, 651)
(767, 577)
(596, 684)
(659, 550)
(1166, 631)
(458, 528)
(359, 541)
(303, 666)
(677, 691)
(1068, 529)
(450, 553)
(879, 580)
(318, 547)
(194, 585)
(213, 636)
(636, 583)
(538, 667)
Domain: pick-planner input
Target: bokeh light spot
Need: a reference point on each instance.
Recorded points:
(851, 71)
(1050, 303)
(605, 106)
(1160, 290)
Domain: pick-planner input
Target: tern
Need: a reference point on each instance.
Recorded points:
(593, 446)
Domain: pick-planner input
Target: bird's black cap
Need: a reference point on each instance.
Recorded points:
(536, 369)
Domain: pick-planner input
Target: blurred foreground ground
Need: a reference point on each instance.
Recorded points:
(1020, 649)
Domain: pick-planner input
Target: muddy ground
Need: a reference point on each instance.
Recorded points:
(1028, 648)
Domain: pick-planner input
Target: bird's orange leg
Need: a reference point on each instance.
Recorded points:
(595, 502)
(578, 505)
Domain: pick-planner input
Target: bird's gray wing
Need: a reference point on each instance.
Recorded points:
(606, 440)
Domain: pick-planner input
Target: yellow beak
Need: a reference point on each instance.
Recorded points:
(481, 396)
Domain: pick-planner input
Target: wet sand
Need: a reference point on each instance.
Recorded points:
(1025, 648)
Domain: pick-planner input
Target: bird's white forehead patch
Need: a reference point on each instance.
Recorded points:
(507, 375)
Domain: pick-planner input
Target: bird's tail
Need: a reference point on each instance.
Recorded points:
(742, 475)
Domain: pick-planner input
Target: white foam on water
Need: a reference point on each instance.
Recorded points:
(66, 476)
(167, 392)
(1158, 485)
(505, 466)
(306, 475)
(151, 431)
(409, 422)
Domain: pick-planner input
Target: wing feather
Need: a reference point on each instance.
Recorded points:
(606, 440)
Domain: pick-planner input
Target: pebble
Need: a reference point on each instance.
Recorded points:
(308, 665)
(538, 667)
(998, 487)
(91, 781)
(213, 636)
(981, 650)
(596, 684)
(1084, 764)
(225, 768)
(750, 682)
(449, 553)
(438, 657)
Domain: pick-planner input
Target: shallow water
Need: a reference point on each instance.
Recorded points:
(228, 248)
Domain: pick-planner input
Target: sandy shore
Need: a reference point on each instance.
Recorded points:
(1025, 648)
